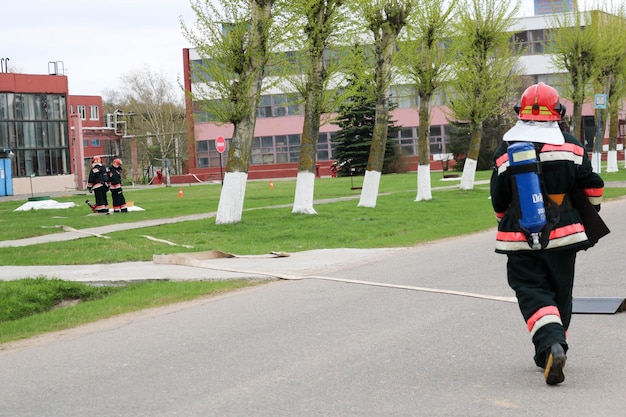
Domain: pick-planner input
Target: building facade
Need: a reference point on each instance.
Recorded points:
(276, 143)
(543, 7)
(100, 137)
(52, 135)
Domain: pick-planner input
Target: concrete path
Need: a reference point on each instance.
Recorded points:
(425, 331)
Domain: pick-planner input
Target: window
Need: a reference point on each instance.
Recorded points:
(35, 127)
(85, 143)
(206, 154)
(404, 96)
(282, 149)
(408, 140)
(437, 139)
(82, 112)
(538, 41)
(95, 143)
(275, 149)
(323, 147)
(265, 107)
(203, 162)
(94, 113)
(520, 40)
(202, 146)
(279, 105)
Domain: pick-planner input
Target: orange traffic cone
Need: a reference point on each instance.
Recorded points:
(180, 192)
(271, 184)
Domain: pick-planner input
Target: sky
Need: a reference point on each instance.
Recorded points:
(99, 41)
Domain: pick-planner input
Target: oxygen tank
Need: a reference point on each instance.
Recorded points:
(523, 162)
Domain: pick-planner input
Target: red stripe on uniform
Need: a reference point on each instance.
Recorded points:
(511, 236)
(570, 147)
(542, 312)
(594, 192)
(502, 159)
(568, 230)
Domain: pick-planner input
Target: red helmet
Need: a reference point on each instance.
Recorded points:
(96, 160)
(117, 162)
(540, 102)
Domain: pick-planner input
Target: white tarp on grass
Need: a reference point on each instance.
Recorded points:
(44, 204)
(52, 204)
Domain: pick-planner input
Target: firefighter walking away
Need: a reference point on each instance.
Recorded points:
(539, 171)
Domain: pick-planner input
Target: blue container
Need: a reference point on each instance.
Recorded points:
(533, 212)
(8, 176)
(3, 187)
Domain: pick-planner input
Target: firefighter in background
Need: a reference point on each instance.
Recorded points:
(333, 169)
(543, 277)
(115, 184)
(98, 184)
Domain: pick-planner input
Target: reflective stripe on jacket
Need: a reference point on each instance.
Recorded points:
(563, 167)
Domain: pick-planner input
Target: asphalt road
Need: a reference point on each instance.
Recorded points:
(316, 347)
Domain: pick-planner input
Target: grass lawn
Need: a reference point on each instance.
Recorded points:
(30, 306)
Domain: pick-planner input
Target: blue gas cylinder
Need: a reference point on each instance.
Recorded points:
(533, 212)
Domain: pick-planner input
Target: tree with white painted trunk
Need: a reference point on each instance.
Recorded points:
(485, 74)
(575, 50)
(315, 26)
(426, 62)
(612, 75)
(385, 19)
(356, 119)
(234, 56)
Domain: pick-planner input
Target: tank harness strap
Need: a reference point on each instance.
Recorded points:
(553, 209)
(554, 203)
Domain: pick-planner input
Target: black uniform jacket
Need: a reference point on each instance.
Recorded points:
(563, 167)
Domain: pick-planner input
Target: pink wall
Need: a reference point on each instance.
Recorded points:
(272, 126)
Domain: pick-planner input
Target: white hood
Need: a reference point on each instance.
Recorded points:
(532, 131)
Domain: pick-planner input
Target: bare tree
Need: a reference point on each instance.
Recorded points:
(385, 19)
(426, 61)
(232, 38)
(151, 108)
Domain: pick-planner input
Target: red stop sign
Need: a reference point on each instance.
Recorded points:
(220, 144)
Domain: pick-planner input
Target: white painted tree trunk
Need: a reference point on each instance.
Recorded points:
(611, 162)
(469, 173)
(230, 207)
(305, 187)
(596, 165)
(424, 191)
(369, 193)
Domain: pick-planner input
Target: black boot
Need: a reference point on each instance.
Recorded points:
(554, 365)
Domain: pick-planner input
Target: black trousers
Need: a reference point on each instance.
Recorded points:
(119, 201)
(102, 205)
(544, 279)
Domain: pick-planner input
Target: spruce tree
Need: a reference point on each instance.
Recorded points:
(354, 139)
